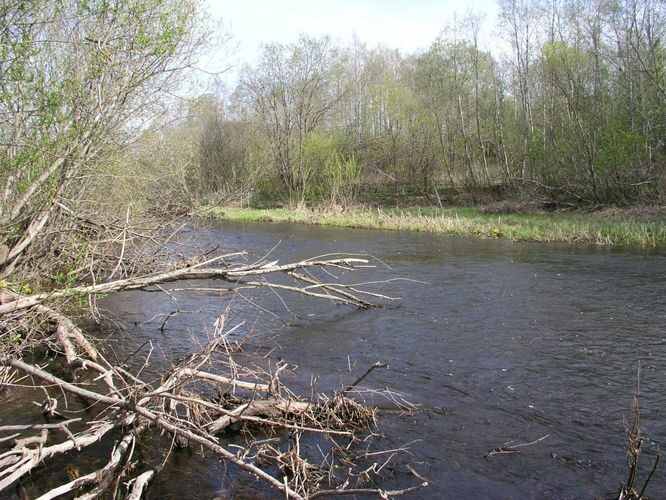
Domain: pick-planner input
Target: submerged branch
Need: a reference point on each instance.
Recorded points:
(177, 407)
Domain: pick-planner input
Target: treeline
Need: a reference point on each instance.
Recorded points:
(573, 111)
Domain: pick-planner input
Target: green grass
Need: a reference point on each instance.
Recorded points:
(574, 227)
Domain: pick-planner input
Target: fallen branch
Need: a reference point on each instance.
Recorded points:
(12, 302)
(369, 491)
(508, 448)
(60, 425)
(152, 406)
(138, 484)
(22, 459)
(271, 408)
(360, 379)
(100, 478)
(175, 405)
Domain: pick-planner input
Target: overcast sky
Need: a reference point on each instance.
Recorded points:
(407, 25)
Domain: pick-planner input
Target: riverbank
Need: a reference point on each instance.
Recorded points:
(609, 227)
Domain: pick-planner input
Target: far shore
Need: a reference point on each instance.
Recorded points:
(634, 227)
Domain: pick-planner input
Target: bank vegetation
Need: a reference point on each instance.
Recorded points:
(643, 228)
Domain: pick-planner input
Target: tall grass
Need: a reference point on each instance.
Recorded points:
(562, 227)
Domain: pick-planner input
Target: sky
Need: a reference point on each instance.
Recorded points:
(408, 25)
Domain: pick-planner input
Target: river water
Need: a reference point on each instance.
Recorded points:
(499, 343)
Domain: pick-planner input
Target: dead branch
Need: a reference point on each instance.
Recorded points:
(60, 425)
(100, 478)
(12, 302)
(71, 388)
(175, 405)
(22, 459)
(138, 484)
(509, 449)
(635, 449)
(129, 399)
(30, 458)
(233, 383)
(360, 379)
(369, 491)
(334, 290)
(272, 408)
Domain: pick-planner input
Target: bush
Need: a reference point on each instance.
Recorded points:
(335, 174)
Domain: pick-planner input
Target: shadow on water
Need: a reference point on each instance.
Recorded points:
(499, 342)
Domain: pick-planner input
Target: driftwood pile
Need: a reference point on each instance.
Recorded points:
(198, 400)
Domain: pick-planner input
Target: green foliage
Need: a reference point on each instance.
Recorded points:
(66, 279)
(15, 339)
(341, 179)
(334, 175)
(268, 192)
(26, 288)
(578, 115)
(291, 93)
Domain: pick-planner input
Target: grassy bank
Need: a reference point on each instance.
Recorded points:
(607, 228)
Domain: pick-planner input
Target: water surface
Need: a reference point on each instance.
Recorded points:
(498, 343)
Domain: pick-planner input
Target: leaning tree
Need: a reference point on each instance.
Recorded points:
(77, 77)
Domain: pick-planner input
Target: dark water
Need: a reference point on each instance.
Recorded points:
(506, 342)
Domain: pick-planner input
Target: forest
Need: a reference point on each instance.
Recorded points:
(569, 111)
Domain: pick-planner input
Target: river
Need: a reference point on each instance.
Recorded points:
(499, 343)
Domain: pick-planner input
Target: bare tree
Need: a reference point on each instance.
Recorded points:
(519, 19)
(291, 93)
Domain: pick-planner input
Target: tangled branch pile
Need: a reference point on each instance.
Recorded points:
(207, 395)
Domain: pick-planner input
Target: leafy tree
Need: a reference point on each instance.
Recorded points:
(458, 85)
(76, 78)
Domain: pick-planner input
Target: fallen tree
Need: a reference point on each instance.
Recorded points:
(337, 292)
(180, 403)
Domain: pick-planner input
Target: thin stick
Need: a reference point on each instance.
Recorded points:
(10, 428)
(647, 480)
(360, 379)
(368, 491)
